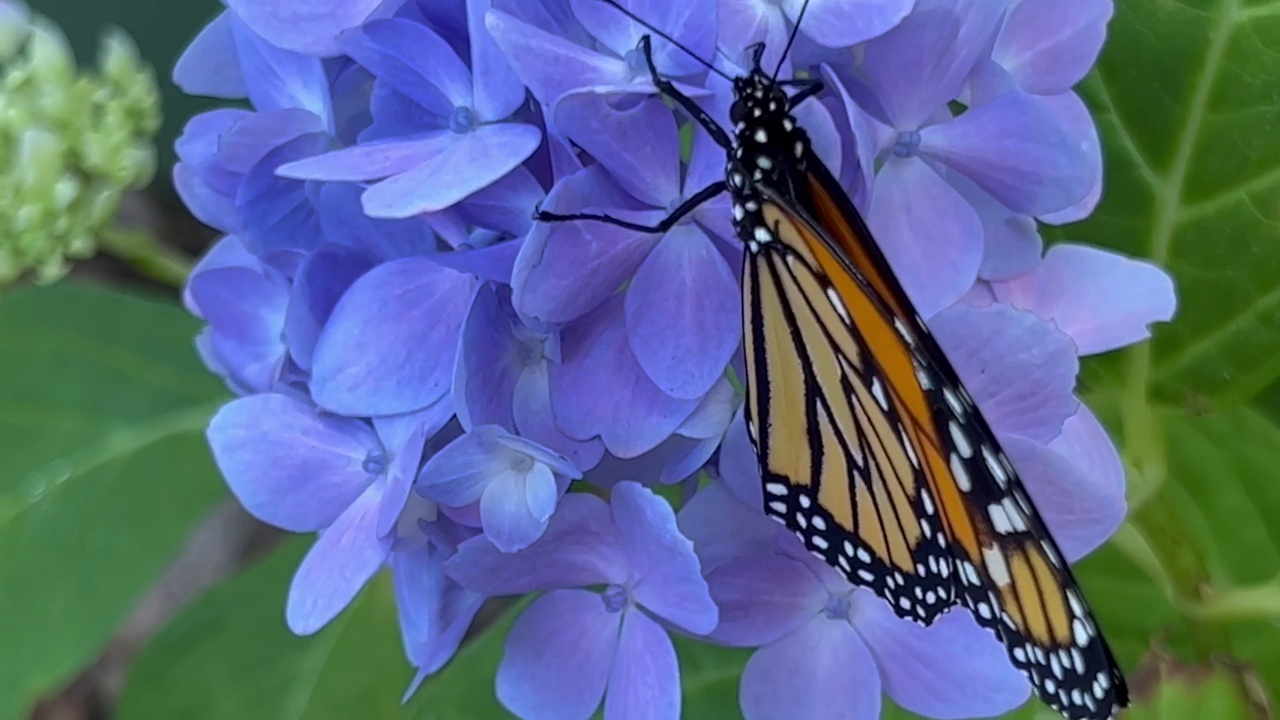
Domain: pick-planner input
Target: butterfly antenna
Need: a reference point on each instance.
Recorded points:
(794, 31)
(668, 38)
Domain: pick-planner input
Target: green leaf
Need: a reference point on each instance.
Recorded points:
(1166, 689)
(1184, 96)
(103, 405)
(710, 676)
(230, 655)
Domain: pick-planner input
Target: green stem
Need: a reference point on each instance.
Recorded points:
(1167, 552)
(1247, 603)
(148, 256)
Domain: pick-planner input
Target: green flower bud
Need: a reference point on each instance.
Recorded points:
(72, 142)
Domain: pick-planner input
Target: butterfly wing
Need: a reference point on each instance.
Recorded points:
(875, 455)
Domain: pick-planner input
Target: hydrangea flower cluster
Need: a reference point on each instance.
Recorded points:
(435, 384)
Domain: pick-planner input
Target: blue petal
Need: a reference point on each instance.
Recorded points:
(489, 362)
(289, 465)
(498, 90)
(371, 161)
(763, 596)
(822, 670)
(390, 344)
(209, 66)
(277, 214)
(558, 657)
(612, 136)
(580, 547)
(722, 529)
(683, 314)
(506, 509)
(931, 237)
(952, 669)
(843, 23)
(311, 28)
(667, 578)
(400, 477)
(281, 79)
(414, 61)
(535, 420)
(344, 222)
(459, 474)
(434, 611)
(600, 389)
(645, 682)
(337, 567)
(471, 162)
(549, 64)
(324, 276)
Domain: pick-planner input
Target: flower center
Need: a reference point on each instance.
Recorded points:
(375, 463)
(907, 144)
(616, 598)
(838, 607)
(463, 120)
(522, 463)
(636, 63)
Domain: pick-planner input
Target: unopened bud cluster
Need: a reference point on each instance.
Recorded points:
(72, 141)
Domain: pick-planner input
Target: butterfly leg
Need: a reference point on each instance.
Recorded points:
(662, 226)
(666, 87)
(808, 88)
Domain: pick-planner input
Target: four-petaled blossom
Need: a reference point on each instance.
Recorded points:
(573, 646)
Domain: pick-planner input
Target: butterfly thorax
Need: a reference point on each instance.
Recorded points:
(767, 141)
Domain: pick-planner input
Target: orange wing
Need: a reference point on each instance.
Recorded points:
(875, 455)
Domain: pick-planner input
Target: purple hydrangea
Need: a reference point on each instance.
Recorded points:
(479, 404)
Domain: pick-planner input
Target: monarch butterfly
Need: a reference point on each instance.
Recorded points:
(871, 450)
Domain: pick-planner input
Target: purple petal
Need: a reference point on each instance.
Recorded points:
(389, 346)
(743, 24)
(458, 474)
(1011, 242)
(930, 235)
(714, 413)
(337, 566)
(289, 465)
(434, 611)
(951, 669)
(763, 597)
(515, 507)
(683, 313)
(303, 27)
(612, 136)
(1102, 300)
(1078, 122)
(1019, 369)
(535, 420)
(278, 78)
(371, 161)
(1081, 510)
(1049, 47)
(645, 682)
(580, 547)
(919, 65)
(209, 66)
(689, 461)
(414, 61)
(684, 21)
(325, 275)
(842, 23)
(822, 670)
(558, 657)
(551, 65)
(566, 269)
(489, 362)
(504, 205)
(1015, 148)
(667, 579)
(722, 528)
(471, 161)
(739, 465)
(600, 389)
(400, 477)
(498, 90)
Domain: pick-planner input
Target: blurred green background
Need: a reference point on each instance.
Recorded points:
(105, 473)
